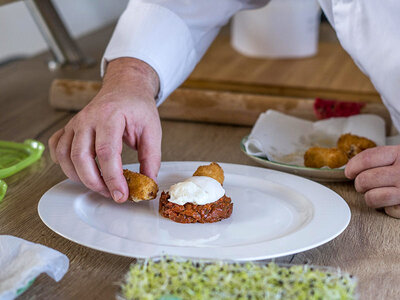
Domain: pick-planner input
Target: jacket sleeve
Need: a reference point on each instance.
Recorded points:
(171, 36)
(370, 32)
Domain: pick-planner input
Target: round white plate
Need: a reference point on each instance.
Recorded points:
(318, 174)
(274, 214)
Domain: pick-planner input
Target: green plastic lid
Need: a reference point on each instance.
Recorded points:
(16, 156)
(3, 189)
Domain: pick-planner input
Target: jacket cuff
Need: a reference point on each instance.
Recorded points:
(157, 36)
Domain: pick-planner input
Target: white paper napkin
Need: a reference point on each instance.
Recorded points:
(285, 139)
(22, 261)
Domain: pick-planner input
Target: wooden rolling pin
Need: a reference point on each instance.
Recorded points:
(203, 105)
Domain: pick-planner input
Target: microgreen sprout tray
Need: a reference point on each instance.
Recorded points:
(162, 278)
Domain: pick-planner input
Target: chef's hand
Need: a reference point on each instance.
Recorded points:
(377, 174)
(123, 110)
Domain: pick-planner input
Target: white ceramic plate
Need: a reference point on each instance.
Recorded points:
(322, 175)
(274, 214)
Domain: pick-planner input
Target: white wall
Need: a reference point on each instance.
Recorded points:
(19, 35)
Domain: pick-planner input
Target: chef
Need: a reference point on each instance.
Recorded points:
(154, 48)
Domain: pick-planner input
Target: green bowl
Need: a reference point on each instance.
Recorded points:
(16, 156)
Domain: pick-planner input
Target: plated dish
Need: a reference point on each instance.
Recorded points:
(289, 209)
(200, 198)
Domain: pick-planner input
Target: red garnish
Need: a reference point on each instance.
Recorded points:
(324, 109)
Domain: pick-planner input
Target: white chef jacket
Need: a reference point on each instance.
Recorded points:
(172, 36)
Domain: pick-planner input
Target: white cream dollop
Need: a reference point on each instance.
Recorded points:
(197, 190)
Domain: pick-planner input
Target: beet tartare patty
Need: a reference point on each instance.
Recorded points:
(193, 213)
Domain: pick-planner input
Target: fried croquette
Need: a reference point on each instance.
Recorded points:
(317, 157)
(212, 170)
(353, 144)
(140, 186)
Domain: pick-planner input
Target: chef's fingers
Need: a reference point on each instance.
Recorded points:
(108, 148)
(63, 154)
(130, 141)
(53, 142)
(83, 158)
(377, 177)
(149, 151)
(371, 158)
(381, 197)
(393, 211)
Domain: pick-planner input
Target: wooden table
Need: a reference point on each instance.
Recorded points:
(369, 247)
(3, 2)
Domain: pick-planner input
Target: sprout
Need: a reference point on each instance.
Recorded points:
(181, 279)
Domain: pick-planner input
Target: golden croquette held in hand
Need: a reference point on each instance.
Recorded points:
(140, 186)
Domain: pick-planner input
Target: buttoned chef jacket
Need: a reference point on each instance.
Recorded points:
(172, 36)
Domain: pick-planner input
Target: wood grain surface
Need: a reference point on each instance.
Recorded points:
(368, 248)
(331, 73)
(3, 2)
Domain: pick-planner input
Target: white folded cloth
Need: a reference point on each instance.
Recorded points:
(285, 139)
(22, 261)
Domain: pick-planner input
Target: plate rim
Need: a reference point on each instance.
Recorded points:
(346, 217)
